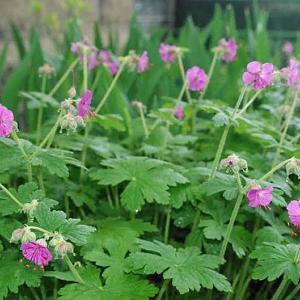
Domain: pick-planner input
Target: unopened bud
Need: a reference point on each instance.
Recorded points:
(61, 246)
(46, 69)
(42, 242)
(138, 105)
(22, 234)
(234, 163)
(30, 207)
(17, 235)
(72, 92)
(293, 167)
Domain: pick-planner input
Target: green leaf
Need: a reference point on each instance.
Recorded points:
(25, 194)
(13, 274)
(127, 287)
(188, 269)
(275, 260)
(56, 221)
(149, 180)
(55, 161)
(119, 230)
(240, 240)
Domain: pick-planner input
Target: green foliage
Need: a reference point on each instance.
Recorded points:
(14, 274)
(275, 260)
(55, 220)
(186, 267)
(149, 180)
(125, 287)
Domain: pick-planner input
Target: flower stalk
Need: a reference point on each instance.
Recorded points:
(12, 197)
(285, 128)
(73, 270)
(27, 158)
(223, 139)
(210, 71)
(41, 110)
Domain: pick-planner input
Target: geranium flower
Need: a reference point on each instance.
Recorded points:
(92, 60)
(112, 65)
(36, 252)
(143, 62)
(197, 79)
(258, 75)
(258, 196)
(179, 112)
(6, 121)
(292, 74)
(294, 212)
(228, 49)
(288, 48)
(85, 103)
(167, 52)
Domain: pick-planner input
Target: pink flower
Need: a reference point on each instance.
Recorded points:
(179, 112)
(294, 212)
(167, 52)
(113, 67)
(6, 121)
(74, 47)
(292, 73)
(85, 103)
(228, 49)
(197, 79)
(105, 57)
(143, 62)
(288, 48)
(92, 60)
(258, 75)
(37, 253)
(258, 196)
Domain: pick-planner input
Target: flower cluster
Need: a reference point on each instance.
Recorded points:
(197, 79)
(259, 196)
(139, 62)
(292, 74)
(168, 52)
(228, 49)
(6, 121)
(75, 111)
(234, 163)
(258, 75)
(288, 48)
(46, 69)
(107, 60)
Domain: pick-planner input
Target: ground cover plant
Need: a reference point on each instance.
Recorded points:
(166, 171)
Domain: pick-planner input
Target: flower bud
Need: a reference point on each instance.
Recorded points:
(46, 69)
(61, 246)
(69, 122)
(28, 236)
(17, 235)
(234, 163)
(293, 167)
(139, 105)
(30, 207)
(42, 242)
(72, 92)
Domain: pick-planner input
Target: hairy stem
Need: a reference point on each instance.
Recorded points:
(248, 104)
(63, 78)
(224, 136)
(287, 123)
(167, 225)
(231, 223)
(109, 90)
(210, 72)
(27, 158)
(73, 270)
(11, 196)
(145, 127)
(85, 71)
(41, 111)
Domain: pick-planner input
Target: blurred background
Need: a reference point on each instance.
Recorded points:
(50, 17)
